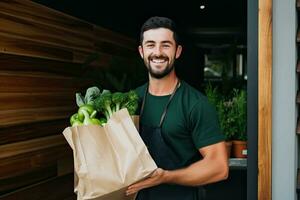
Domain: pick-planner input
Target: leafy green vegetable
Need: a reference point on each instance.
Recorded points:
(97, 107)
(86, 113)
(103, 104)
(87, 120)
(108, 103)
(88, 108)
(74, 118)
(91, 94)
(118, 98)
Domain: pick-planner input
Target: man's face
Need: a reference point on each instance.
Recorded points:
(159, 52)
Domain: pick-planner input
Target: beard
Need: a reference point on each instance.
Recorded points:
(159, 74)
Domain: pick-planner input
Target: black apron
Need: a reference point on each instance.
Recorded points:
(165, 158)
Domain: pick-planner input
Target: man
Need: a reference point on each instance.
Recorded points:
(178, 125)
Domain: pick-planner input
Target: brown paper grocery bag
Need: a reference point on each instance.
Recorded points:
(108, 159)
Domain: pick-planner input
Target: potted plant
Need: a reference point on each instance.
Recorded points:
(232, 113)
(222, 108)
(238, 114)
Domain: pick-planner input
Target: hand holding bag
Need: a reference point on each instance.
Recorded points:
(108, 159)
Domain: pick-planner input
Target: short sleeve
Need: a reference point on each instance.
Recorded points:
(140, 92)
(204, 124)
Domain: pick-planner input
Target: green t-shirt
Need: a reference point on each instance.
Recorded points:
(191, 121)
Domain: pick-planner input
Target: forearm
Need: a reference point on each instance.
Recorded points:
(213, 167)
(199, 173)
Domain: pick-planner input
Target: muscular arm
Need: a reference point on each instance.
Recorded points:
(212, 168)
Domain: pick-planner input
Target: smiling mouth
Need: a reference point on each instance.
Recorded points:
(158, 61)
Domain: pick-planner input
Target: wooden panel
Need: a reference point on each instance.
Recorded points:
(33, 12)
(265, 100)
(42, 33)
(36, 31)
(30, 82)
(28, 162)
(32, 130)
(65, 165)
(36, 100)
(10, 184)
(57, 188)
(26, 47)
(9, 150)
(36, 12)
(45, 58)
(23, 116)
(10, 62)
(298, 4)
(23, 46)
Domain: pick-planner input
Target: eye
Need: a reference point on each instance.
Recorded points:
(149, 45)
(166, 46)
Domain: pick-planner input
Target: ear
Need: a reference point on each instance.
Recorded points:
(178, 51)
(141, 51)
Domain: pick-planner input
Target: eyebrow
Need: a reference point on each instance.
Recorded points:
(164, 42)
(149, 41)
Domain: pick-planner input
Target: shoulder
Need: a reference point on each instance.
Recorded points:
(194, 99)
(191, 94)
(141, 90)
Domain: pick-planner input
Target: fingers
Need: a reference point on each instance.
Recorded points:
(132, 190)
(138, 186)
(153, 180)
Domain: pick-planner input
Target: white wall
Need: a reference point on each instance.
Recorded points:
(285, 141)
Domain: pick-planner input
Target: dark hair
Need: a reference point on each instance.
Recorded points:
(159, 22)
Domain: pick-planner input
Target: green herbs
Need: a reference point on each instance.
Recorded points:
(97, 107)
(232, 111)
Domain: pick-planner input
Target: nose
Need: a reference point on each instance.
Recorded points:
(157, 51)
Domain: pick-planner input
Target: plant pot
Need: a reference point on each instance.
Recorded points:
(228, 148)
(239, 149)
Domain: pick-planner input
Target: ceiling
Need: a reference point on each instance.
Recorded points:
(220, 23)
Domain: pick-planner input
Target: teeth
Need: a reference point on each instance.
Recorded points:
(158, 60)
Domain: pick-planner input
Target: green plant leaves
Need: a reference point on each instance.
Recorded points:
(232, 112)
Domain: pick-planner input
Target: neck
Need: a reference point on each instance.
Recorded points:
(163, 86)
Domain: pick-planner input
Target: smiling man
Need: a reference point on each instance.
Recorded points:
(177, 124)
(158, 53)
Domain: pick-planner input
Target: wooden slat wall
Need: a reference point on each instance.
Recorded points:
(42, 54)
(265, 100)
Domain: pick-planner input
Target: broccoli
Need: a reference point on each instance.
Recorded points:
(118, 98)
(108, 103)
(132, 107)
(103, 104)
(131, 102)
(132, 96)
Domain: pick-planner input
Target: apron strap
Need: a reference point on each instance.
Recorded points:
(166, 108)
